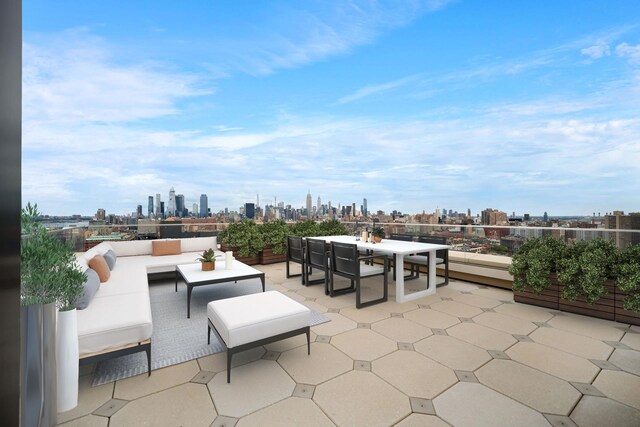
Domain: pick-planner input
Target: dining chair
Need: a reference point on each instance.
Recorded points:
(316, 257)
(404, 238)
(295, 253)
(442, 256)
(345, 262)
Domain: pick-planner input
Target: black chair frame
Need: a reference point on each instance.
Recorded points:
(440, 253)
(295, 253)
(316, 256)
(413, 267)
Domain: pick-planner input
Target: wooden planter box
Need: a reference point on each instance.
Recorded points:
(622, 315)
(549, 298)
(268, 257)
(604, 308)
(253, 260)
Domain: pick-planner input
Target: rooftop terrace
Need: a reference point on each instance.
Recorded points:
(467, 356)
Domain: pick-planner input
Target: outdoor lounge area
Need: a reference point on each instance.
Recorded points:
(466, 355)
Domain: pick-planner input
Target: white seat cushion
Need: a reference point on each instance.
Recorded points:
(421, 259)
(370, 270)
(253, 317)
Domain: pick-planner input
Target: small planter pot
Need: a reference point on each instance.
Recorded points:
(67, 360)
(549, 298)
(622, 315)
(268, 257)
(603, 308)
(377, 239)
(208, 265)
(253, 260)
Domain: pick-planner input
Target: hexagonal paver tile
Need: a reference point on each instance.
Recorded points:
(160, 379)
(432, 318)
(337, 325)
(543, 392)
(421, 420)
(160, 409)
(632, 340)
(627, 360)
(555, 362)
(89, 398)
(508, 324)
(482, 336)
(313, 291)
(324, 363)
(620, 386)
(594, 411)
(477, 301)
(364, 344)
(524, 312)
(217, 362)
(397, 307)
(401, 330)
(484, 407)
(365, 315)
(598, 329)
(456, 308)
(293, 411)
(253, 386)
(453, 353)
(570, 342)
(361, 399)
(87, 421)
(338, 302)
(414, 374)
(293, 342)
(495, 293)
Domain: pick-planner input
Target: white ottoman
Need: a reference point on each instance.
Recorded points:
(253, 320)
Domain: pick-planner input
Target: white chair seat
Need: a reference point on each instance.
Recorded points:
(421, 259)
(370, 270)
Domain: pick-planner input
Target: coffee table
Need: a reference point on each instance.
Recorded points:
(194, 276)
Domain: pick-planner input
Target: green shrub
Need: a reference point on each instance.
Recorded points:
(629, 277)
(534, 261)
(274, 233)
(331, 227)
(307, 228)
(245, 236)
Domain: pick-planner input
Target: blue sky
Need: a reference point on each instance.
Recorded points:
(526, 106)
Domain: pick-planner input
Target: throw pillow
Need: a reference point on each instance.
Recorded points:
(110, 257)
(165, 247)
(91, 286)
(100, 266)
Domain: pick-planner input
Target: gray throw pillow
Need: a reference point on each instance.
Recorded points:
(110, 257)
(91, 286)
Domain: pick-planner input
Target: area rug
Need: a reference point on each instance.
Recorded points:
(177, 339)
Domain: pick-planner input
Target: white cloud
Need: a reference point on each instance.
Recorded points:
(597, 50)
(377, 89)
(629, 51)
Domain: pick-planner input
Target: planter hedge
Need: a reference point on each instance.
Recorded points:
(249, 260)
(267, 256)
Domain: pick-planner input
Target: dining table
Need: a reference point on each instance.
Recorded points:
(398, 249)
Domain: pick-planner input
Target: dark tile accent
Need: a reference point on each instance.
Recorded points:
(271, 355)
(466, 376)
(110, 408)
(323, 339)
(560, 420)
(424, 306)
(364, 325)
(222, 421)
(439, 331)
(523, 338)
(497, 354)
(405, 346)
(304, 390)
(604, 364)
(361, 365)
(446, 299)
(203, 377)
(466, 319)
(587, 389)
(310, 299)
(333, 310)
(422, 406)
(397, 315)
(616, 344)
(542, 324)
(488, 310)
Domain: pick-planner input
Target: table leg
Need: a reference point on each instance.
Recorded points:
(399, 277)
(176, 280)
(262, 279)
(189, 290)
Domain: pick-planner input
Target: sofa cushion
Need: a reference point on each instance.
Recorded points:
(110, 257)
(103, 248)
(101, 267)
(165, 247)
(91, 286)
(132, 247)
(198, 244)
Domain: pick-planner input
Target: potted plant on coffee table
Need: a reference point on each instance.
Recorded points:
(208, 260)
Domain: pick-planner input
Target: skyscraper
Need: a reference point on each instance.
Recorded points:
(319, 207)
(171, 209)
(150, 206)
(365, 209)
(194, 209)
(204, 206)
(250, 210)
(159, 209)
(139, 211)
(353, 209)
(545, 217)
(179, 205)
(309, 205)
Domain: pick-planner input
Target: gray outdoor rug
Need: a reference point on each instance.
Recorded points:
(175, 338)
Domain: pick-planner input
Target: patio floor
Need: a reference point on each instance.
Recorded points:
(467, 356)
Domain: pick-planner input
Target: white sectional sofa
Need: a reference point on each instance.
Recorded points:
(118, 319)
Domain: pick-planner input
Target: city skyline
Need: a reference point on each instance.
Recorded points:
(526, 107)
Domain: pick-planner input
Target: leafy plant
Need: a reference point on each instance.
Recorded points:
(274, 233)
(245, 236)
(585, 268)
(307, 228)
(207, 256)
(378, 232)
(534, 261)
(48, 272)
(331, 227)
(629, 277)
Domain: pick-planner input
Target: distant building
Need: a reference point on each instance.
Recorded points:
(101, 214)
(194, 209)
(171, 209)
(353, 209)
(545, 217)
(180, 209)
(319, 207)
(204, 206)
(139, 211)
(159, 208)
(365, 208)
(493, 217)
(617, 220)
(250, 210)
(150, 207)
(309, 205)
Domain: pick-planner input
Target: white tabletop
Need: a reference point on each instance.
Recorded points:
(386, 245)
(193, 273)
